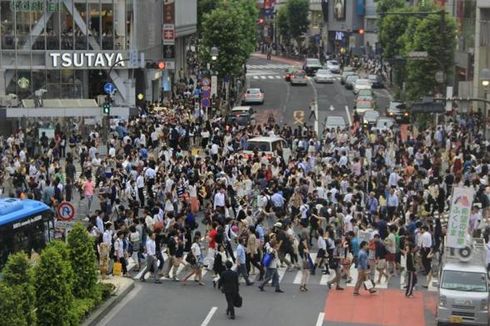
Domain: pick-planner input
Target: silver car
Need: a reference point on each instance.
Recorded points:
(324, 76)
(299, 78)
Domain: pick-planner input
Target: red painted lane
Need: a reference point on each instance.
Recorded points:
(388, 307)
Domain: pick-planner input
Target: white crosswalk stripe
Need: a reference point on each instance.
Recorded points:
(266, 77)
(269, 66)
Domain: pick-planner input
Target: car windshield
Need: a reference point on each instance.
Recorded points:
(322, 72)
(253, 91)
(363, 82)
(364, 105)
(464, 281)
(384, 123)
(371, 115)
(397, 106)
(352, 78)
(365, 92)
(261, 146)
(333, 63)
(313, 62)
(299, 75)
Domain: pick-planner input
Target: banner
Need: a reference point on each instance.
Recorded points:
(459, 217)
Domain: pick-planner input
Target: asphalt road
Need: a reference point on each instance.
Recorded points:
(172, 303)
(283, 100)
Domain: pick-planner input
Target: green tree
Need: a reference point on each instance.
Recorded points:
(229, 29)
(83, 262)
(53, 282)
(297, 13)
(392, 30)
(283, 23)
(11, 311)
(440, 47)
(18, 275)
(204, 7)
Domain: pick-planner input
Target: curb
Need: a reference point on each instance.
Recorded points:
(95, 317)
(278, 59)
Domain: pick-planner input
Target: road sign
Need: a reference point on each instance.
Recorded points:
(418, 55)
(299, 117)
(205, 102)
(133, 59)
(109, 88)
(206, 93)
(65, 211)
(205, 82)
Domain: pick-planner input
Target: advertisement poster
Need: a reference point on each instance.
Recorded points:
(339, 9)
(459, 217)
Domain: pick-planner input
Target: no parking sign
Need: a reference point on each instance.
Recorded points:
(65, 211)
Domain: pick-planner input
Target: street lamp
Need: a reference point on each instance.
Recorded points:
(485, 77)
(214, 53)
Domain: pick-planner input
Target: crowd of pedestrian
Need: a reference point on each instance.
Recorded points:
(175, 181)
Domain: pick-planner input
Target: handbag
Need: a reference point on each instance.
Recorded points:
(117, 269)
(190, 258)
(368, 285)
(267, 260)
(309, 261)
(238, 301)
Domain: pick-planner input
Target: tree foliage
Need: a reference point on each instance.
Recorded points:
(283, 23)
(297, 13)
(54, 277)
(18, 275)
(231, 28)
(440, 49)
(11, 307)
(83, 262)
(205, 7)
(391, 31)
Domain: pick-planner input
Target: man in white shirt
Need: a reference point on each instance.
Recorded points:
(150, 176)
(425, 247)
(219, 201)
(140, 185)
(151, 259)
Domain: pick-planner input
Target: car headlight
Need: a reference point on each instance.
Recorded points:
(442, 301)
(484, 304)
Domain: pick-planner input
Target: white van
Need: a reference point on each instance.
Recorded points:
(268, 146)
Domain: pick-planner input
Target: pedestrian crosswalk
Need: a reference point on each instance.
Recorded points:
(269, 66)
(265, 77)
(286, 276)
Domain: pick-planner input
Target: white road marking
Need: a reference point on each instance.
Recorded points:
(281, 272)
(256, 77)
(297, 278)
(348, 115)
(209, 316)
(315, 92)
(271, 77)
(320, 319)
(263, 77)
(353, 275)
(278, 77)
(138, 276)
(326, 278)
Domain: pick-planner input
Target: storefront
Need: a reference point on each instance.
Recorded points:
(66, 48)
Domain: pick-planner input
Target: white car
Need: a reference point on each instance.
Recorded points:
(324, 76)
(299, 78)
(333, 66)
(253, 96)
(362, 84)
(334, 122)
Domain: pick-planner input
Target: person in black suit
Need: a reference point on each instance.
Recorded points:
(229, 285)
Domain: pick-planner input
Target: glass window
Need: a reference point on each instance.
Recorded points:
(53, 79)
(107, 20)
(129, 22)
(81, 36)
(53, 25)
(94, 22)
(66, 28)
(7, 25)
(38, 79)
(119, 24)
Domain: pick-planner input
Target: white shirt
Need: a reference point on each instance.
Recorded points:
(219, 200)
(119, 248)
(214, 149)
(140, 181)
(150, 247)
(107, 237)
(426, 240)
(150, 173)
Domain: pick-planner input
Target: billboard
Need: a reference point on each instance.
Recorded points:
(459, 217)
(339, 9)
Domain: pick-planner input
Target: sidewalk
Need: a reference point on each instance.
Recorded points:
(123, 287)
(278, 59)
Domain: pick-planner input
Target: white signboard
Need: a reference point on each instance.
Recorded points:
(459, 217)
(85, 59)
(214, 85)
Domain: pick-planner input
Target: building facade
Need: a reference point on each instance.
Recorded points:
(71, 48)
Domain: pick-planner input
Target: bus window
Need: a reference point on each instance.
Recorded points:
(260, 146)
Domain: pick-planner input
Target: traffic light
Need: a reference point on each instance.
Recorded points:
(106, 108)
(160, 65)
(359, 31)
(260, 21)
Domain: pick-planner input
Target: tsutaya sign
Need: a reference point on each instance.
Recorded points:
(86, 60)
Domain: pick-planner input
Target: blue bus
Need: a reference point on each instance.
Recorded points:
(25, 225)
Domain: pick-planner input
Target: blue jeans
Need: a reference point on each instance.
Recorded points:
(271, 273)
(242, 270)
